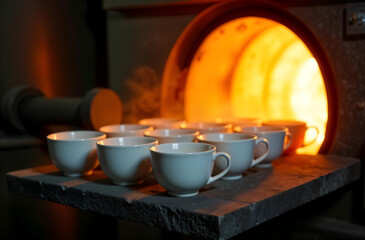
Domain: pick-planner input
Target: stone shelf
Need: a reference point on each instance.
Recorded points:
(222, 210)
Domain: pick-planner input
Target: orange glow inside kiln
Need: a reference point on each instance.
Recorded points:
(254, 67)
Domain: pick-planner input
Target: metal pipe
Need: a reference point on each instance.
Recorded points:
(25, 108)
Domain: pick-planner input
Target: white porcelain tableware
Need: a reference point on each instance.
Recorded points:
(184, 168)
(126, 160)
(74, 152)
(173, 135)
(124, 130)
(279, 138)
(207, 127)
(240, 147)
(241, 121)
(157, 123)
(298, 130)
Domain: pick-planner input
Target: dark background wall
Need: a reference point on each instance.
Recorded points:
(55, 45)
(59, 47)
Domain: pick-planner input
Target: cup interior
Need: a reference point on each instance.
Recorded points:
(226, 137)
(241, 121)
(182, 148)
(170, 132)
(157, 121)
(286, 123)
(203, 125)
(123, 128)
(75, 135)
(261, 129)
(127, 141)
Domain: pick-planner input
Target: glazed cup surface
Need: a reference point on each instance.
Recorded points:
(184, 168)
(279, 139)
(158, 123)
(173, 135)
(126, 160)
(125, 130)
(241, 121)
(240, 147)
(74, 152)
(298, 130)
(207, 127)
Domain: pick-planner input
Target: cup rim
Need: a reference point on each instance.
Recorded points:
(98, 135)
(284, 123)
(249, 137)
(156, 148)
(261, 129)
(184, 132)
(237, 118)
(140, 127)
(158, 120)
(242, 121)
(200, 125)
(151, 141)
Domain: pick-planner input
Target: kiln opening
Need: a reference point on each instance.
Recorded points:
(238, 61)
(256, 68)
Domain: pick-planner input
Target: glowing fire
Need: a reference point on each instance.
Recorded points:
(256, 68)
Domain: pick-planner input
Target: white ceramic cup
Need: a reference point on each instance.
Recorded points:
(279, 138)
(74, 152)
(241, 121)
(184, 168)
(173, 135)
(126, 160)
(298, 130)
(125, 130)
(240, 147)
(207, 127)
(157, 123)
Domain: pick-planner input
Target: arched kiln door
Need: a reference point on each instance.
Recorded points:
(251, 60)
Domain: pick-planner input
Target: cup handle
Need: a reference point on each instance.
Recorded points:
(288, 143)
(264, 154)
(314, 139)
(221, 174)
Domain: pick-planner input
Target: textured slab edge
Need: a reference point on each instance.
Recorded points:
(203, 225)
(253, 215)
(170, 218)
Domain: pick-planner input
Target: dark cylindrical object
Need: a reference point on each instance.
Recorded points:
(26, 107)
(42, 110)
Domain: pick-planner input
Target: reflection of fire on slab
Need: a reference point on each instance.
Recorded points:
(144, 86)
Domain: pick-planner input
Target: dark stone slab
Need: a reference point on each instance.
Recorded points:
(222, 210)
